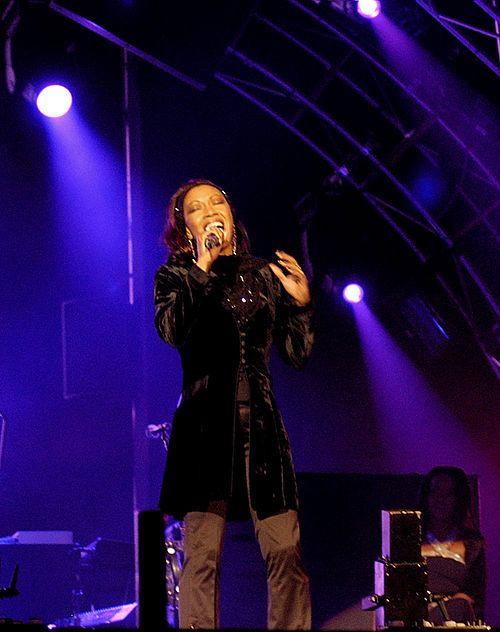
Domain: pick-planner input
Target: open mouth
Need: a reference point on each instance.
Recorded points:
(212, 225)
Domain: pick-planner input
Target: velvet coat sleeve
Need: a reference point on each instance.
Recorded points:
(178, 297)
(294, 331)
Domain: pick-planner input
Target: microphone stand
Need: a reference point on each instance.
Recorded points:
(3, 432)
(162, 431)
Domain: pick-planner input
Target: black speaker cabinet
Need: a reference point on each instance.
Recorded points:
(404, 590)
(401, 536)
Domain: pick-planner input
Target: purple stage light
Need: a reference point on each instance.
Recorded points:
(427, 187)
(54, 101)
(353, 293)
(369, 8)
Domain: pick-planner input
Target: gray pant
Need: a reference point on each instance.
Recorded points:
(289, 603)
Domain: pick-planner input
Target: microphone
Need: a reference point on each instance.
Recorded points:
(211, 241)
(153, 431)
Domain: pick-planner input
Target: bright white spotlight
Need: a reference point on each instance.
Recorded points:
(369, 8)
(54, 101)
(353, 293)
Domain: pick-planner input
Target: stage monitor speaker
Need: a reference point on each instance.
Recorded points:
(401, 536)
(404, 590)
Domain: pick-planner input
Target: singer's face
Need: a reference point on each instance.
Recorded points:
(203, 206)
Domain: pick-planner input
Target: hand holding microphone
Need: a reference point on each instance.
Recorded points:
(210, 242)
(213, 240)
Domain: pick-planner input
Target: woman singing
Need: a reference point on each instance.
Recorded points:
(229, 456)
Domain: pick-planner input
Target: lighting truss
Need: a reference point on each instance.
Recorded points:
(347, 7)
(478, 29)
(10, 16)
(309, 71)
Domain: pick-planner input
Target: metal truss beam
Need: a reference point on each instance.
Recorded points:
(299, 66)
(126, 46)
(463, 31)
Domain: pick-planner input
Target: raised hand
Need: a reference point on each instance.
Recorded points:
(295, 282)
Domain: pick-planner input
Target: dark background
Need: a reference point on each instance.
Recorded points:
(82, 370)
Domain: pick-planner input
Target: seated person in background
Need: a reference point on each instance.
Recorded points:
(453, 546)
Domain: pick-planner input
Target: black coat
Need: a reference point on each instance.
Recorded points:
(196, 313)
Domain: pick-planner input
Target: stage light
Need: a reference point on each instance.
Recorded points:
(369, 8)
(353, 293)
(354, 8)
(54, 101)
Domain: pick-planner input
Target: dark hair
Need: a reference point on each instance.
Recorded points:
(463, 518)
(174, 234)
